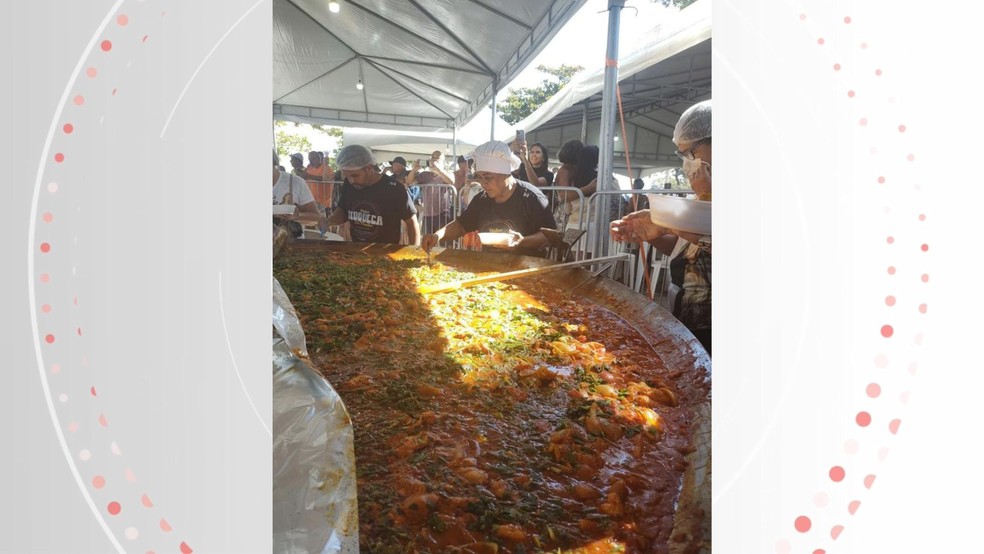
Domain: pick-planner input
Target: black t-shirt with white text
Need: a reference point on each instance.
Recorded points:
(525, 212)
(375, 213)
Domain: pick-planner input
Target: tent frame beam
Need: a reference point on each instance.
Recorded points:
(305, 114)
(427, 43)
(421, 98)
(453, 36)
(414, 79)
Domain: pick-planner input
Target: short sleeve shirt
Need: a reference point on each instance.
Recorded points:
(376, 213)
(525, 212)
(542, 171)
(291, 189)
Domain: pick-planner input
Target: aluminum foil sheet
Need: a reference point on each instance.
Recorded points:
(314, 482)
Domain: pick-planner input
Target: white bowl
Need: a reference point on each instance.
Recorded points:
(496, 239)
(680, 214)
(283, 209)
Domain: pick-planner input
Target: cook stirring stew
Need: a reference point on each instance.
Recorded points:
(374, 204)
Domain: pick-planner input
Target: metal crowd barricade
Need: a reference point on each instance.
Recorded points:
(562, 214)
(648, 271)
(439, 197)
(470, 240)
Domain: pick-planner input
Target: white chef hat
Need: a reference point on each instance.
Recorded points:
(495, 157)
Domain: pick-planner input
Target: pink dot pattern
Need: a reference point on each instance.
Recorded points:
(110, 488)
(876, 408)
(802, 524)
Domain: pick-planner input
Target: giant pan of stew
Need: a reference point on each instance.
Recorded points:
(551, 413)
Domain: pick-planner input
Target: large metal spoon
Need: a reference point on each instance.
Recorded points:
(445, 287)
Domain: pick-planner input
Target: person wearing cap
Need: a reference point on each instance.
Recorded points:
(690, 269)
(290, 189)
(398, 169)
(374, 204)
(505, 205)
(297, 163)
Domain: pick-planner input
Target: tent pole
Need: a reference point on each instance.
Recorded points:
(584, 122)
(607, 145)
(495, 92)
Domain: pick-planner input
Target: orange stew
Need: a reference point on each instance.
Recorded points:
(510, 417)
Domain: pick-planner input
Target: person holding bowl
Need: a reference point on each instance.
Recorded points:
(512, 209)
(690, 270)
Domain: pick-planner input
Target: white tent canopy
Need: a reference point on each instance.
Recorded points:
(658, 80)
(427, 65)
(389, 143)
(409, 144)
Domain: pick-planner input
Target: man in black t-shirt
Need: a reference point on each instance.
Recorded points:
(506, 205)
(373, 204)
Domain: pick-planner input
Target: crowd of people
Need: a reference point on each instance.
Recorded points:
(499, 186)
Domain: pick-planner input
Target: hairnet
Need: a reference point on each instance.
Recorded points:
(694, 124)
(355, 156)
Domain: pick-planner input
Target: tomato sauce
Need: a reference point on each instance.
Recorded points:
(506, 417)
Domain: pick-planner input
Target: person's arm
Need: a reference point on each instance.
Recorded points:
(413, 230)
(460, 175)
(449, 232)
(337, 217)
(564, 178)
(535, 241)
(445, 177)
(590, 188)
(412, 176)
(531, 175)
(307, 214)
(307, 209)
(638, 226)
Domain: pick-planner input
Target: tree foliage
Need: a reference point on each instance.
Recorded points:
(290, 139)
(522, 102)
(677, 3)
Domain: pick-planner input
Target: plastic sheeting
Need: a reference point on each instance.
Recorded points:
(428, 65)
(315, 506)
